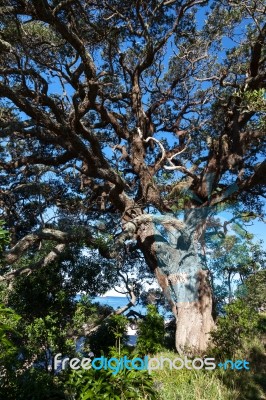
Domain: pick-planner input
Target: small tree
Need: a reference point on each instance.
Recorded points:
(117, 327)
(238, 324)
(151, 332)
(110, 335)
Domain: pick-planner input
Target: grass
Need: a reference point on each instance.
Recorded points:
(187, 384)
(215, 384)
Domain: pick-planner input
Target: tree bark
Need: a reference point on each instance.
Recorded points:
(172, 250)
(194, 319)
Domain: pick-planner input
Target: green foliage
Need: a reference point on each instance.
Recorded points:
(88, 312)
(169, 339)
(239, 324)
(101, 384)
(111, 333)
(4, 239)
(8, 328)
(8, 318)
(251, 384)
(254, 101)
(33, 384)
(45, 337)
(151, 332)
(117, 326)
(51, 320)
(103, 242)
(253, 290)
(233, 258)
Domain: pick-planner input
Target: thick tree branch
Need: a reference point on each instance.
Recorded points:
(48, 259)
(31, 240)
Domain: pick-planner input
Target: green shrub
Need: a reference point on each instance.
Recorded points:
(239, 324)
(101, 384)
(4, 237)
(111, 333)
(151, 332)
(32, 384)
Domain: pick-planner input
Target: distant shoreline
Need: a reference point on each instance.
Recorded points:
(109, 295)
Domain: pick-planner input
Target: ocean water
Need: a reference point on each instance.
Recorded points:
(119, 301)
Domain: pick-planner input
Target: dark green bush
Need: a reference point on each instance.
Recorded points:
(111, 333)
(239, 324)
(125, 385)
(151, 332)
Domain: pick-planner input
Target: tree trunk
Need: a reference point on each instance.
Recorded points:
(171, 248)
(190, 296)
(194, 319)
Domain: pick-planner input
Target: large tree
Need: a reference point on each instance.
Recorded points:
(137, 112)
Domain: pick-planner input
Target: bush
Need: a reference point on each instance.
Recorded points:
(111, 333)
(32, 384)
(151, 332)
(239, 324)
(102, 384)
